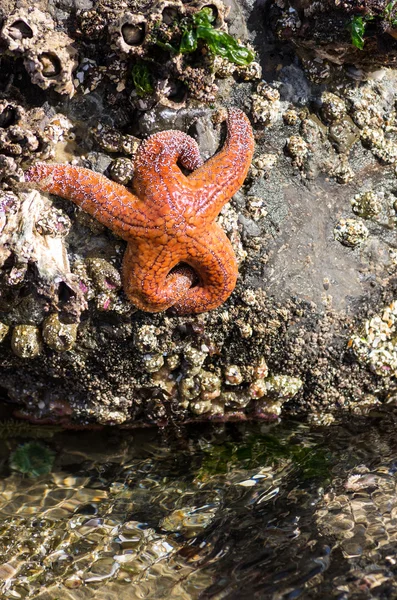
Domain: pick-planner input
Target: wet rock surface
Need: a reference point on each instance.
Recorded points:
(313, 227)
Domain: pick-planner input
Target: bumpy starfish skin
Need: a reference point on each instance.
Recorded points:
(170, 219)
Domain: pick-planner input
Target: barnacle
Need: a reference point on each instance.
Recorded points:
(265, 104)
(57, 335)
(49, 56)
(129, 32)
(20, 134)
(350, 232)
(374, 344)
(175, 49)
(367, 204)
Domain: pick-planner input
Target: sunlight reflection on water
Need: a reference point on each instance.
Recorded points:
(249, 511)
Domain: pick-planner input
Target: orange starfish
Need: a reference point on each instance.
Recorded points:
(169, 221)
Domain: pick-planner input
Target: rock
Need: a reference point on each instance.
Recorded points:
(357, 33)
(309, 329)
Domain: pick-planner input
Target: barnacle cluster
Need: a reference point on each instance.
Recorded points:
(298, 149)
(113, 141)
(166, 50)
(383, 148)
(371, 205)
(370, 107)
(189, 376)
(162, 52)
(375, 345)
(322, 143)
(17, 140)
(345, 116)
(290, 117)
(333, 108)
(367, 204)
(350, 232)
(27, 134)
(48, 55)
(256, 207)
(100, 281)
(265, 104)
(33, 236)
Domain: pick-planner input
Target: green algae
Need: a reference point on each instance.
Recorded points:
(219, 43)
(357, 31)
(141, 79)
(32, 459)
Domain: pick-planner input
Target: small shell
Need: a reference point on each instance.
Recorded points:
(3, 331)
(233, 375)
(26, 341)
(152, 362)
(59, 336)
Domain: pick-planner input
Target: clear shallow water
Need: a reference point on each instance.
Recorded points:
(252, 511)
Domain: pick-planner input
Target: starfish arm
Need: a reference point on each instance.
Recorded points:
(157, 176)
(147, 280)
(223, 174)
(109, 202)
(213, 259)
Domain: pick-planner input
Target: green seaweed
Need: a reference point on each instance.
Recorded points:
(388, 13)
(357, 31)
(167, 46)
(219, 43)
(32, 459)
(141, 79)
(358, 24)
(389, 8)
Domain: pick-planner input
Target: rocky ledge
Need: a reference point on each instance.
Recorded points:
(310, 329)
